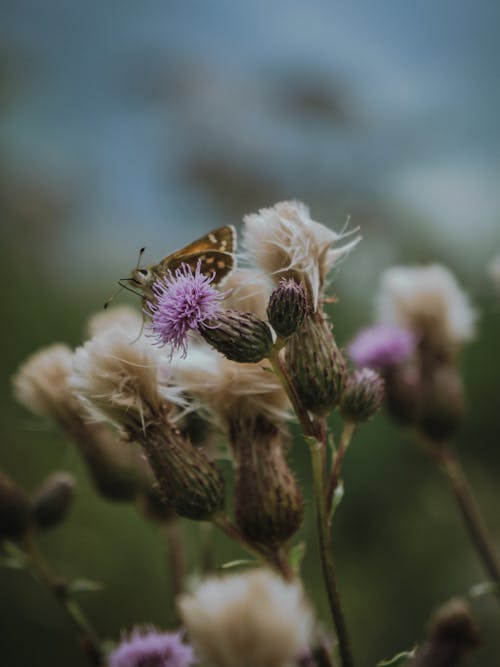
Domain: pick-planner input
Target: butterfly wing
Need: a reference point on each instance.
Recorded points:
(214, 251)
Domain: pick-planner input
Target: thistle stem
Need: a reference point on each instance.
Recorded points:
(40, 569)
(325, 550)
(176, 561)
(471, 515)
(317, 447)
(345, 439)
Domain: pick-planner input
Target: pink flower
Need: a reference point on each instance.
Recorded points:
(381, 346)
(147, 647)
(183, 302)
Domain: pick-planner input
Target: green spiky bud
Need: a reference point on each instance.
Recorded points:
(316, 365)
(362, 396)
(268, 502)
(239, 336)
(287, 307)
(14, 509)
(52, 502)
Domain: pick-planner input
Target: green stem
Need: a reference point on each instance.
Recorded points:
(327, 562)
(345, 439)
(282, 374)
(318, 456)
(470, 512)
(40, 569)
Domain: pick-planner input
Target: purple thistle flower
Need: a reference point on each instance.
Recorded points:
(184, 301)
(381, 346)
(146, 647)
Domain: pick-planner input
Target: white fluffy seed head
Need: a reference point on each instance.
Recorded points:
(255, 618)
(428, 301)
(249, 291)
(286, 243)
(230, 389)
(129, 319)
(42, 384)
(118, 380)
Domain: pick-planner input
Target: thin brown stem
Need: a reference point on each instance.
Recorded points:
(40, 569)
(176, 560)
(471, 515)
(345, 439)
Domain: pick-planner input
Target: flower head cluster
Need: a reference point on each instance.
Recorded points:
(428, 301)
(255, 619)
(146, 647)
(286, 243)
(381, 346)
(183, 302)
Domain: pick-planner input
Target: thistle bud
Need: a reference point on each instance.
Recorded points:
(191, 484)
(53, 500)
(403, 393)
(239, 336)
(119, 381)
(443, 409)
(287, 307)
(268, 502)
(14, 509)
(452, 634)
(362, 396)
(316, 365)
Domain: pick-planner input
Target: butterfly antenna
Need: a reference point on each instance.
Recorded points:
(141, 253)
(106, 304)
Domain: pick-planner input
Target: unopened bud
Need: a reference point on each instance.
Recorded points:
(316, 365)
(451, 635)
(239, 336)
(403, 393)
(287, 307)
(191, 484)
(14, 509)
(268, 502)
(362, 396)
(444, 405)
(53, 500)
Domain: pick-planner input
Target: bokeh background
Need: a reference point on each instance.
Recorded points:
(126, 124)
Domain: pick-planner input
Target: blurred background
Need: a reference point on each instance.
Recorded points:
(126, 124)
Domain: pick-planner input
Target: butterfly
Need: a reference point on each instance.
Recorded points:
(215, 252)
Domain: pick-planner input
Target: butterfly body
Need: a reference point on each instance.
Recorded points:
(214, 252)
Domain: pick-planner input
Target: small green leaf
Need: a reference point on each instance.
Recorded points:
(296, 556)
(398, 659)
(337, 497)
(484, 588)
(12, 556)
(83, 586)
(12, 563)
(237, 563)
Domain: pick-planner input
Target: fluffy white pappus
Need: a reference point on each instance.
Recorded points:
(41, 384)
(230, 389)
(426, 300)
(285, 242)
(118, 380)
(129, 319)
(255, 618)
(249, 290)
